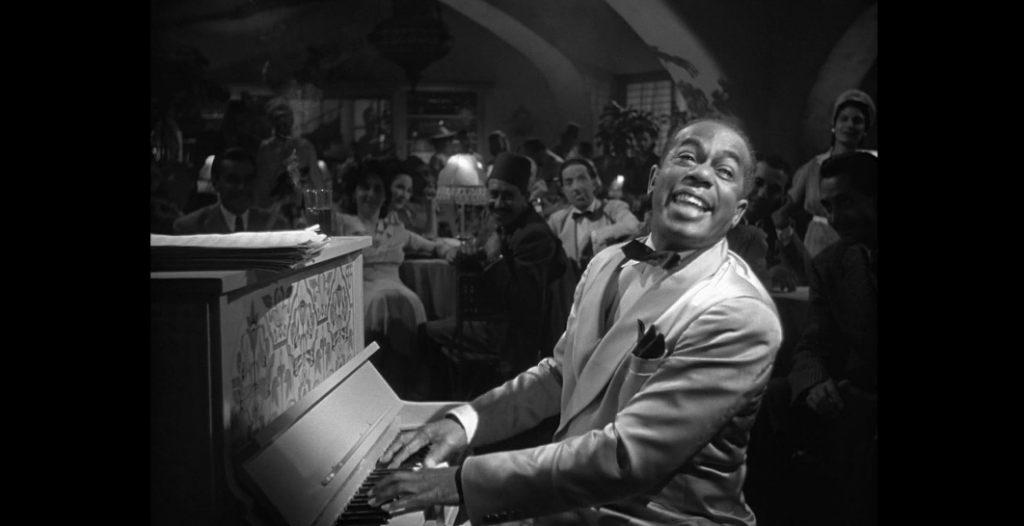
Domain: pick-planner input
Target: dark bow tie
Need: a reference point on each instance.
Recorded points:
(586, 214)
(638, 251)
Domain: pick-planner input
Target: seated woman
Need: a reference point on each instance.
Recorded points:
(392, 311)
(412, 198)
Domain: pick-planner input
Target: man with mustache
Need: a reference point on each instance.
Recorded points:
(589, 224)
(233, 175)
(529, 262)
(657, 379)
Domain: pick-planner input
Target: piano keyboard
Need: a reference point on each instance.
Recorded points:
(358, 510)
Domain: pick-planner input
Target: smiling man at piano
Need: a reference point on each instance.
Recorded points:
(658, 376)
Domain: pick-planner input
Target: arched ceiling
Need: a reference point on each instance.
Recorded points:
(235, 34)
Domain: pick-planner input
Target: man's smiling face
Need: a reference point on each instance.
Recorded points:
(698, 191)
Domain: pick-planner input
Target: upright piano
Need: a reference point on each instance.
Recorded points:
(264, 408)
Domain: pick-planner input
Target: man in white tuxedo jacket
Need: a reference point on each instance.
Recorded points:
(657, 379)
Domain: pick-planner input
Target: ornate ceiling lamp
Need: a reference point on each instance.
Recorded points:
(414, 37)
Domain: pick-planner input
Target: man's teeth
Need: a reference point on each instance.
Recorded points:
(689, 199)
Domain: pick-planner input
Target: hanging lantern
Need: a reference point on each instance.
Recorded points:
(414, 37)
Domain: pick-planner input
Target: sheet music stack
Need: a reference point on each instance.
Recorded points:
(273, 251)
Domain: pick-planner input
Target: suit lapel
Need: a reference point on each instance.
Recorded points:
(599, 366)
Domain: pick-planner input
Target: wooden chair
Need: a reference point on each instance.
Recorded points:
(477, 300)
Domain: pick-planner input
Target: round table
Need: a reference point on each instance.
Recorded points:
(434, 281)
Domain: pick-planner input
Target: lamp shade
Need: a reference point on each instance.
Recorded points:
(461, 181)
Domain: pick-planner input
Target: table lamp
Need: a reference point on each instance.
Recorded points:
(461, 182)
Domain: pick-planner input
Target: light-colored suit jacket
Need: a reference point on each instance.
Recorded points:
(640, 441)
(210, 220)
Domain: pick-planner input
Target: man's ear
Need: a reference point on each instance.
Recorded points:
(741, 208)
(653, 177)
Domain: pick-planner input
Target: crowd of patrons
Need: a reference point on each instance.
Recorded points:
(549, 211)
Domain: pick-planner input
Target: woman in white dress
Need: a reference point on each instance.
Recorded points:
(392, 311)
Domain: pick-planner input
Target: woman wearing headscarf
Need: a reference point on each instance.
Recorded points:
(852, 115)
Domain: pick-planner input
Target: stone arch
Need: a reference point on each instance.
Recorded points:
(657, 23)
(846, 66)
(567, 85)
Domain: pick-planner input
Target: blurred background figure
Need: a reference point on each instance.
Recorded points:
(465, 145)
(162, 211)
(852, 115)
(545, 185)
(234, 179)
(445, 145)
(778, 262)
(547, 162)
(567, 142)
(496, 143)
(282, 152)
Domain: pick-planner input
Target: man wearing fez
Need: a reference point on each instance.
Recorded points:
(282, 154)
(528, 259)
(233, 175)
(657, 379)
(589, 224)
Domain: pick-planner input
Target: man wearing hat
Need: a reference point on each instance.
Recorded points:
(281, 153)
(529, 260)
(445, 145)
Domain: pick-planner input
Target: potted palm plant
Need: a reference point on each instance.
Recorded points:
(621, 134)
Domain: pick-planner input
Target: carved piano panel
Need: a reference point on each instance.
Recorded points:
(264, 408)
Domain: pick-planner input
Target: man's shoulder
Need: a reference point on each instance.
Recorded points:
(532, 228)
(839, 257)
(559, 215)
(267, 217)
(746, 231)
(615, 205)
(191, 222)
(197, 214)
(831, 254)
(740, 281)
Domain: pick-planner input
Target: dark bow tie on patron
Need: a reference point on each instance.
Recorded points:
(638, 251)
(588, 214)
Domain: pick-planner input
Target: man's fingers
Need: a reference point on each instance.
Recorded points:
(406, 445)
(437, 454)
(833, 395)
(393, 448)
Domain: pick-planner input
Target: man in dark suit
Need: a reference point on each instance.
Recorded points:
(233, 174)
(530, 260)
(826, 408)
(779, 258)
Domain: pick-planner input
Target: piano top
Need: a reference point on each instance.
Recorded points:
(217, 282)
